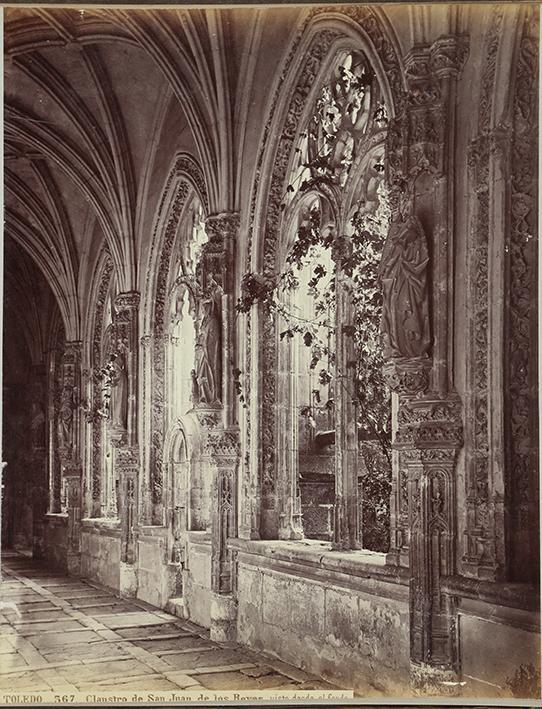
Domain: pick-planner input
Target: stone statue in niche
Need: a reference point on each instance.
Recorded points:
(403, 274)
(119, 387)
(207, 382)
(65, 418)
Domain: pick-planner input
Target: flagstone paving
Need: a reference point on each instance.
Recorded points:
(69, 635)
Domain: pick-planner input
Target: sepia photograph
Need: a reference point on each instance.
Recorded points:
(270, 354)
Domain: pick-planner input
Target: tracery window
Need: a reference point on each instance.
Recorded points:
(337, 202)
(183, 295)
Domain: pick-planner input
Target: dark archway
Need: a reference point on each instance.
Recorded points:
(32, 333)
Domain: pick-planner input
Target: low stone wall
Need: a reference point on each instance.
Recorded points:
(55, 541)
(499, 635)
(155, 582)
(342, 616)
(100, 551)
(197, 578)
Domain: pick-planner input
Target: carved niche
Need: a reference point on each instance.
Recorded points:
(186, 173)
(123, 368)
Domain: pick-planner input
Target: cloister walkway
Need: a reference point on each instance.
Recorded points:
(65, 634)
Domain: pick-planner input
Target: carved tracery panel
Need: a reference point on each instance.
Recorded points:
(185, 180)
(521, 313)
(97, 394)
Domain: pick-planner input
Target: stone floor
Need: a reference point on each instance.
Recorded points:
(64, 634)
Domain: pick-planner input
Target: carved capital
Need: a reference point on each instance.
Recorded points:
(409, 377)
(72, 352)
(418, 411)
(126, 301)
(208, 418)
(449, 54)
(417, 64)
(429, 424)
(127, 459)
(223, 444)
(118, 437)
(422, 87)
(223, 226)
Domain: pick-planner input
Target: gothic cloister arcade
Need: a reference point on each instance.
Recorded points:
(271, 326)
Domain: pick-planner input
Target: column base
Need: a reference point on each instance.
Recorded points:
(427, 680)
(128, 580)
(223, 618)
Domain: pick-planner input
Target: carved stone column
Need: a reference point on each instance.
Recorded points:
(223, 447)
(215, 275)
(68, 437)
(145, 507)
(127, 467)
(484, 553)
(72, 477)
(346, 526)
(419, 336)
(429, 438)
(123, 432)
(521, 314)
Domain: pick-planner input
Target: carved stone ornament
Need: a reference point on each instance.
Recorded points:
(208, 418)
(127, 457)
(409, 377)
(434, 423)
(405, 326)
(97, 396)
(126, 301)
(222, 443)
(449, 54)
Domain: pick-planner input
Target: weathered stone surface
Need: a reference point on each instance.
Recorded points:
(154, 630)
(156, 651)
(194, 660)
(341, 617)
(104, 670)
(225, 680)
(177, 644)
(56, 639)
(129, 619)
(508, 650)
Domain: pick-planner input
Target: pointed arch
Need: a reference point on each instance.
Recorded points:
(323, 33)
(184, 180)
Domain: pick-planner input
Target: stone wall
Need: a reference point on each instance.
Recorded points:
(100, 552)
(197, 579)
(494, 643)
(329, 614)
(155, 582)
